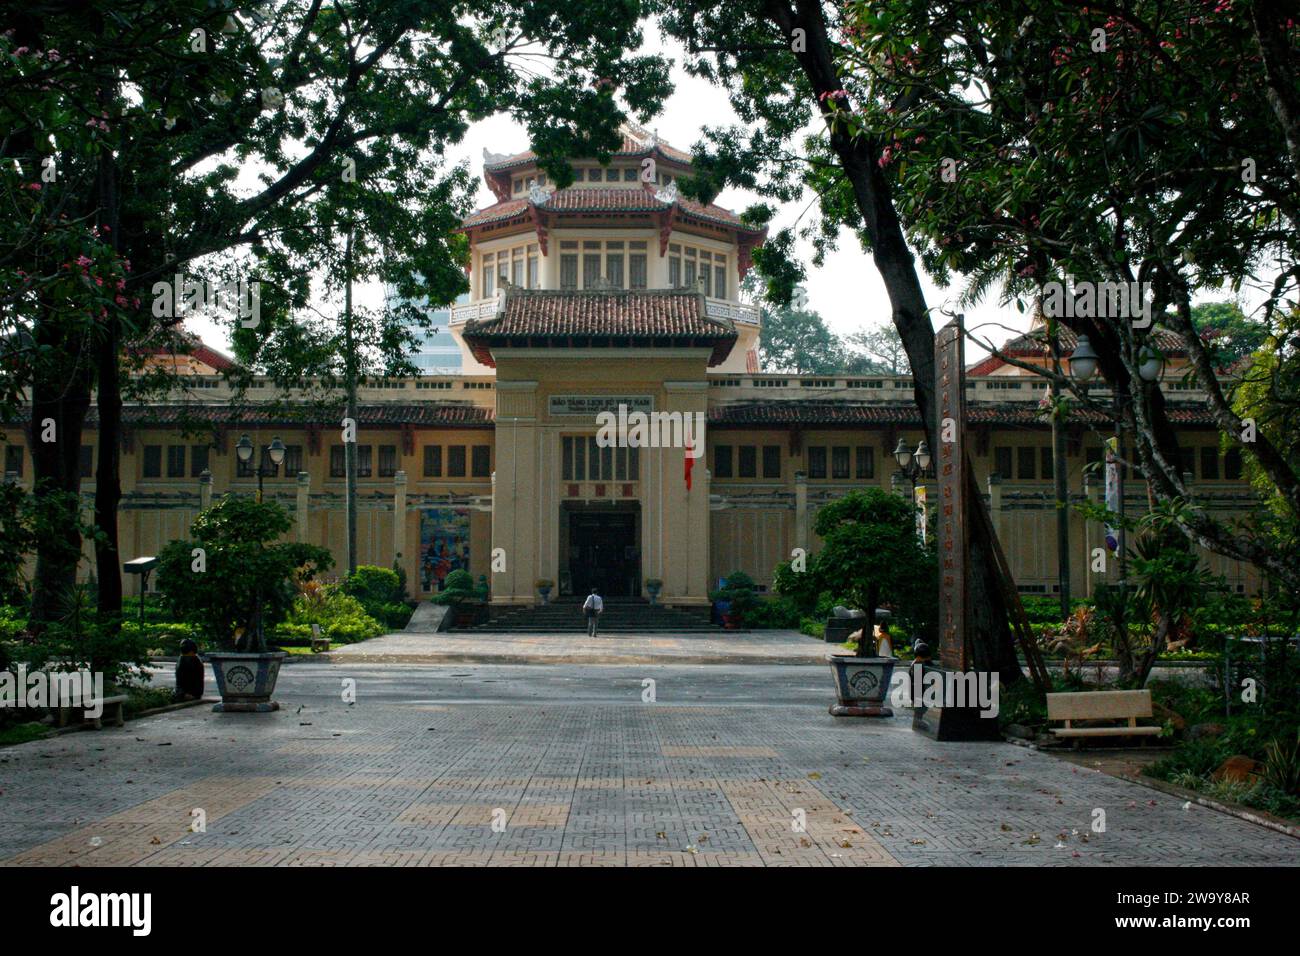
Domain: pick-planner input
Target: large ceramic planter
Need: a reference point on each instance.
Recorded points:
(546, 595)
(653, 592)
(246, 681)
(861, 685)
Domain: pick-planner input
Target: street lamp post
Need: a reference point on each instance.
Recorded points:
(1083, 367)
(275, 452)
(912, 464)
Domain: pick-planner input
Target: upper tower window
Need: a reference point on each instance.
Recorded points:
(605, 264)
(518, 266)
(686, 264)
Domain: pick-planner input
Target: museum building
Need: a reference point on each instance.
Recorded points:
(614, 291)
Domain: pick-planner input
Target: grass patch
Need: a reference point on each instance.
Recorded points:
(23, 733)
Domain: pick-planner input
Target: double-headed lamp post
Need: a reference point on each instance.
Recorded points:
(912, 463)
(274, 451)
(1083, 368)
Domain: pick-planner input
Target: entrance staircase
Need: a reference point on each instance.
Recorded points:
(622, 616)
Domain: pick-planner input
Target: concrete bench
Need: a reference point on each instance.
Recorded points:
(318, 643)
(112, 711)
(1101, 705)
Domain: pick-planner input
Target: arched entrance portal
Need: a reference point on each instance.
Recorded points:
(600, 545)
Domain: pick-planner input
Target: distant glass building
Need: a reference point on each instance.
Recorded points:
(437, 351)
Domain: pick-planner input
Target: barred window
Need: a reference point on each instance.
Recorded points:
(455, 461)
(152, 461)
(387, 461)
(771, 461)
(722, 461)
(866, 461)
(292, 460)
(199, 460)
(433, 461)
(840, 461)
(817, 462)
(481, 461)
(175, 461)
(747, 461)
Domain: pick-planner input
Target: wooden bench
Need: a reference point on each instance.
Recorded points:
(1101, 705)
(318, 643)
(112, 710)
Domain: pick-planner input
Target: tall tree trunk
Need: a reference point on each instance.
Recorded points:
(108, 487)
(350, 371)
(993, 647)
(60, 401)
(1060, 477)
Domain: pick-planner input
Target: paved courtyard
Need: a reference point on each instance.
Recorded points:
(563, 765)
(722, 647)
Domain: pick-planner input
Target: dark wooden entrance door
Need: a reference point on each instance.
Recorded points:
(603, 552)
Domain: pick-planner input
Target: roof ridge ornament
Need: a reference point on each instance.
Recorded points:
(491, 159)
(537, 195)
(667, 193)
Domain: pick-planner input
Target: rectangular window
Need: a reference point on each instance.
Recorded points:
(87, 461)
(363, 461)
(568, 271)
(1026, 461)
(590, 270)
(614, 267)
(634, 464)
(1002, 462)
(14, 459)
(636, 265)
(1232, 464)
(199, 460)
(722, 461)
(489, 275)
(566, 458)
(1049, 464)
(629, 175)
(840, 462)
(533, 280)
(1187, 461)
(338, 462)
(611, 175)
(152, 461)
(387, 461)
(481, 461)
(866, 462)
(579, 460)
(620, 464)
(292, 460)
(175, 461)
(1210, 463)
(579, 174)
(720, 281)
(517, 269)
(455, 461)
(817, 462)
(607, 463)
(674, 273)
(433, 461)
(771, 461)
(747, 461)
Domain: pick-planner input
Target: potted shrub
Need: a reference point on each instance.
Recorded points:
(870, 555)
(233, 581)
(734, 599)
(652, 587)
(544, 589)
(465, 600)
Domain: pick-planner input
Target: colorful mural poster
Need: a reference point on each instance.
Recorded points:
(444, 545)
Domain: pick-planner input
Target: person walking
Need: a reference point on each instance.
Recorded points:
(593, 607)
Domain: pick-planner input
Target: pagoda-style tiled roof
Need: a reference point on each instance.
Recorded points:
(601, 319)
(630, 147)
(1033, 344)
(851, 414)
(611, 199)
(375, 414)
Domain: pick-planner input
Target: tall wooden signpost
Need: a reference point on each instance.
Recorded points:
(951, 719)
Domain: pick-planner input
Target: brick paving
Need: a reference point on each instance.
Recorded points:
(753, 647)
(561, 766)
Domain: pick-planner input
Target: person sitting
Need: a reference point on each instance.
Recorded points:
(189, 672)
